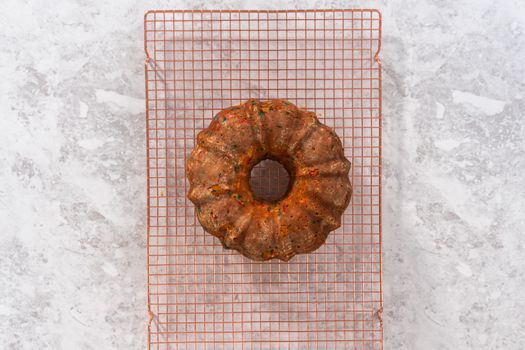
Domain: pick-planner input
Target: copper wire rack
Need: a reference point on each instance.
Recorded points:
(204, 297)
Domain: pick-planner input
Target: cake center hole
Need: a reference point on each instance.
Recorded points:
(269, 180)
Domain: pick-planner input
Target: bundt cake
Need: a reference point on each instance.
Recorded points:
(219, 169)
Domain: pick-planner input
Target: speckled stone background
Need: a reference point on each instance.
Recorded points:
(72, 172)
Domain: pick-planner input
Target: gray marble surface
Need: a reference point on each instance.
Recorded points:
(72, 172)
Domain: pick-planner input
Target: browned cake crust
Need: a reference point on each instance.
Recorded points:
(219, 169)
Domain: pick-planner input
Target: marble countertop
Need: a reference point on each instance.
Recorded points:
(72, 172)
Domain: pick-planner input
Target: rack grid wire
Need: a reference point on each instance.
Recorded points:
(201, 296)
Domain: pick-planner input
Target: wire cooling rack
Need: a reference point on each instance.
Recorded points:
(204, 297)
